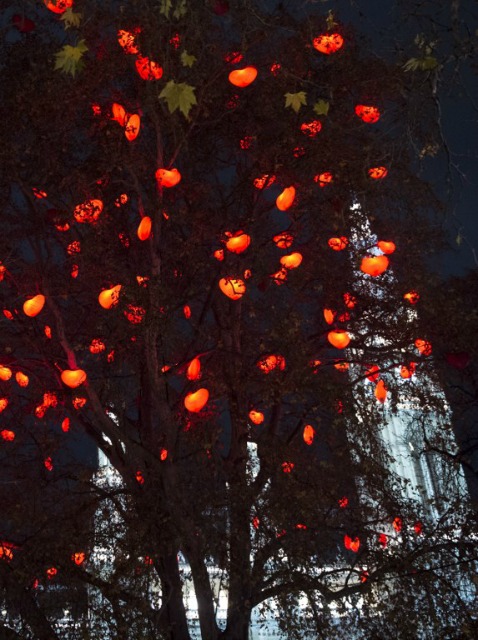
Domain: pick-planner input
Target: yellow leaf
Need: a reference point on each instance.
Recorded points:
(69, 59)
(179, 96)
(295, 100)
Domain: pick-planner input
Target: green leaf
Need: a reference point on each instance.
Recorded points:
(187, 60)
(425, 64)
(165, 8)
(321, 107)
(70, 18)
(69, 59)
(411, 65)
(179, 96)
(330, 20)
(295, 100)
(181, 9)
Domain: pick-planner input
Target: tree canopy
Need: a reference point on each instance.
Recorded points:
(214, 257)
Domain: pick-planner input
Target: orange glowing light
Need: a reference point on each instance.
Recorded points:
(243, 77)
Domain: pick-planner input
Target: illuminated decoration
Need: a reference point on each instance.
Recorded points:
(219, 254)
(51, 572)
(338, 338)
(89, 211)
(291, 261)
(372, 373)
(132, 126)
(283, 240)
(187, 311)
(285, 199)
(118, 113)
(412, 297)
(243, 77)
(280, 276)
(78, 403)
(287, 467)
(196, 400)
(382, 540)
(256, 417)
(328, 43)
(386, 246)
(8, 314)
(3, 270)
(397, 524)
(374, 265)
(342, 366)
(264, 181)
(233, 57)
(270, 362)
(139, 477)
(167, 178)
(407, 370)
(65, 425)
(163, 454)
(5, 373)
(6, 552)
(343, 502)
(58, 6)
(233, 288)
(238, 242)
(193, 372)
(349, 300)
(312, 128)
(329, 315)
(144, 229)
(148, 69)
(48, 464)
(338, 244)
(7, 435)
(368, 114)
(33, 306)
(378, 173)
(424, 347)
(323, 179)
(96, 346)
(308, 434)
(352, 544)
(127, 41)
(78, 558)
(73, 377)
(381, 391)
(135, 314)
(109, 297)
(3, 404)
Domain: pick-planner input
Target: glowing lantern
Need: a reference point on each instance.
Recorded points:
(380, 391)
(148, 69)
(338, 338)
(22, 379)
(89, 211)
(378, 173)
(256, 417)
(7, 435)
(349, 300)
(51, 572)
(386, 246)
(238, 242)
(412, 297)
(264, 181)
(50, 399)
(343, 502)
(256, 522)
(8, 314)
(5, 373)
(47, 332)
(407, 370)
(187, 311)
(308, 434)
(233, 288)
(118, 113)
(131, 128)
(285, 199)
(291, 261)
(367, 113)
(397, 524)
(196, 400)
(374, 265)
(163, 454)
(167, 178)
(283, 240)
(424, 347)
(3, 404)
(323, 179)
(342, 366)
(329, 315)
(351, 544)
(73, 377)
(383, 540)
(48, 464)
(271, 362)
(243, 77)
(6, 552)
(109, 297)
(126, 40)
(311, 129)
(372, 373)
(338, 244)
(280, 276)
(193, 372)
(139, 477)
(219, 254)
(97, 346)
(58, 6)
(65, 425)
(78, 558)
(328, 43)
(418, 527)
(287, 467)
(144, 229)
(135, 314)
(3, 270)
(33, 306)
(78, 403)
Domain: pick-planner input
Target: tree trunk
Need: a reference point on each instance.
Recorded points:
(237, 626)
(173, 618)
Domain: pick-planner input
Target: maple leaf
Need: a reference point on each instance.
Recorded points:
(321, 107)
(70, 18)
(187, 60)
(295, 100)
(179, 95)
(69, 59)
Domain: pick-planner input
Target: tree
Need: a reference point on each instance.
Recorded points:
(193, 280)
